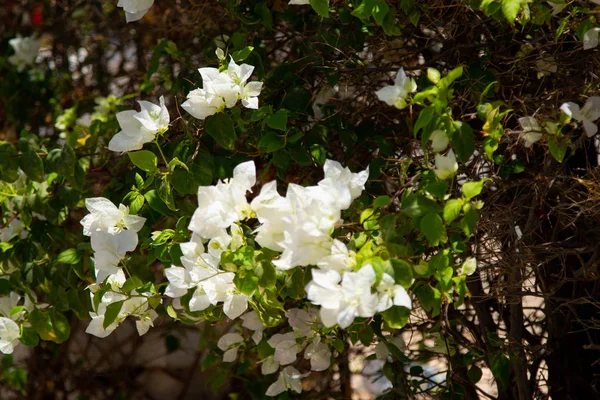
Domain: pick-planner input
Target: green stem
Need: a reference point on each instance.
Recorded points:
(161, 153)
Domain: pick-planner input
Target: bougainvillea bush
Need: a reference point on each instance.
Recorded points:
(342, 199)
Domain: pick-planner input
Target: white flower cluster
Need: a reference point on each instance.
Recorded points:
(26, 50)
(135, 9)
(396, 94)
(138, 128)
(298, 225)
(586, 115)
(223, 89)
(10, 331)
(113, 233)
(303, 337)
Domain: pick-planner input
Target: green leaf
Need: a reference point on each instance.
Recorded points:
(50, 325)
(112, 312)
(402, 272)
(472, 189)
(468, 222)
(69, 256)
(396, 317)
(430, 298)
(437, 188)
(66, 165)
(278, 120)
(469, 266)
(9, 167)
(271, 142)
(365, 9)
(433, 75)
(165, 193)
(474, 373)
(176, 162)
(510, 9)
(321, 7)
(433, 228)
(380, 10)
(220, 127)
(136, 203)
(267, 275)
(452, 209)
(463, 141)
(144, 160)
(29, 337)
(381, 201)
(425, 117)
(241, 55)
(558, 147)
(32, 165)
(156, 203)
(499, 365)
(416, 205)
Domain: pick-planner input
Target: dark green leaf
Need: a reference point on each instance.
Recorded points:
(220, 127)
(32, 165)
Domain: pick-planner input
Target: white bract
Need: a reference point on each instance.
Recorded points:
(26, 50)
(109, 250)
(104, 216)
(586, 115)
(221, 205)
(590, 38)
(439, 140)
(396, 95)
(446, 166)
(341, 303)
(9, 335)
(319, 355)
(138, 128)
(230, 344)
(252, 322)
(288, 379)
(14, 228)
(135, 9)
(223, 89)
(532, 132)
(391, 294)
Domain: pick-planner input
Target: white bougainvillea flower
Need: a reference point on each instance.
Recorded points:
(469, 266)
(302, 321)
(9, 335)
(221, 288)
(532, 132)
(299, 2)
(395, 95)
(252, 322)
(341, 184)
(391, 294)
(7, 303)
(14, 228)
(154, 117)
(446, 166)
(342, 303)
(439, 140)
(230, 343)
(201, 104)
(26, 50)
(135, 9)
(145, 322)
(590, 38)
(248, 92)
(138, 128)
(289, 379)
(221, 205)
(104, 216)
(269, 365)
(340, 259)
(586, 115)
(319, 355)
(109, 250)
(557, 6)
(286, 347)
(270, 209)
